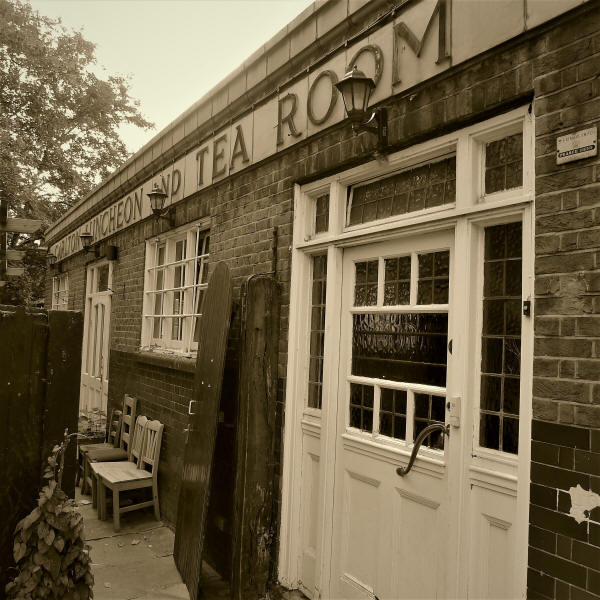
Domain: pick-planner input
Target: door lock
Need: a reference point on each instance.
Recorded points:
(453, 406)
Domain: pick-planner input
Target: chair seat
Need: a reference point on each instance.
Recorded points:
(120, 472)
(106, 454)
(84, 448)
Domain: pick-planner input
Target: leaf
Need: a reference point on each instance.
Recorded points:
(59, 543)
(29, 520)
(20, 550)
(50, 537)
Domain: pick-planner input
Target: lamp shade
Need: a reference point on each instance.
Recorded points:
(51, 259)
(356, 89)
(86, 239)
(157, 199)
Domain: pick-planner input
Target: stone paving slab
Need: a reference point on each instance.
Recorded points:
(137, 563)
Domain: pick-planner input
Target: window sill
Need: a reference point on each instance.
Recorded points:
(166, 361)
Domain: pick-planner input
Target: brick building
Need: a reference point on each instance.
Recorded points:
(452, 276)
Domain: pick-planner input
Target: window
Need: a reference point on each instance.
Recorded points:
(322, 214)
(317, 331)
(504, 164)
(60, 292)
(175, 279)
(419, 188)
(501, 338)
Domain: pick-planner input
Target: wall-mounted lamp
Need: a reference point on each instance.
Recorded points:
(157, 202)
(356, 89)
(86, 241)
(51, 258)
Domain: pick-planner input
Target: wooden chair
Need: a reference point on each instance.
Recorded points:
(133, 454)
(111, 440)
(123, 476)
(98, 453)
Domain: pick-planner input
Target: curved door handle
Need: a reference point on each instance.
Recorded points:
(445, 429)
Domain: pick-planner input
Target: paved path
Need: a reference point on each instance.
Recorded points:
(137, 563)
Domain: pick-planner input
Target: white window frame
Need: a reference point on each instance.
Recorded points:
(196, 266)
(60, 292)
(471, 211)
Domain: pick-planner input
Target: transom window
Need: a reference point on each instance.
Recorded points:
(399, 345)
(60, 292)
(175, 279)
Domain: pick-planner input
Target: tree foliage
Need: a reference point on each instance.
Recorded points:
(59, 118)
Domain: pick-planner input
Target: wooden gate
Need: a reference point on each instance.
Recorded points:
(195, 481)
(40, 354)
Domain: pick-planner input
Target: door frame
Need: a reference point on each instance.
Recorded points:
(91, 275)
(470, 205)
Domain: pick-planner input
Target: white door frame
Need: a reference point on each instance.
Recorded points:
(471, 206)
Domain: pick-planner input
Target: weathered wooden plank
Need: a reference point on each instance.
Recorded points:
(254, 515)
(23, 366)
(17, 225)
(194, 492)
(15, 254)
(62, 388)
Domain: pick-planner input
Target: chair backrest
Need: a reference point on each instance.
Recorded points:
(151, 447)
(128, 422)
(113, 433)
(138, 439)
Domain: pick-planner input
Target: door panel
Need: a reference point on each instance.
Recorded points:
(392, 534)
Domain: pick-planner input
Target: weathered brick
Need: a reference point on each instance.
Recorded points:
(559, 389)
(545, 410)
(588, 369)
(587, 416)
(566, 413)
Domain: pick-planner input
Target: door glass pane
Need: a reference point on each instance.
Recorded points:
(397, 281)
(430, 409)
(392, 413)
(103, 278)
(361, 407)
(434, 272)
(501, 338)
(365, 287)
(409, 347)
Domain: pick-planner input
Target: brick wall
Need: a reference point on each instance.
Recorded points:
(564, 556)
(558, 66)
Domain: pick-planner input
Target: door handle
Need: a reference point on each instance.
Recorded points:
(445, 429)
(190, 407)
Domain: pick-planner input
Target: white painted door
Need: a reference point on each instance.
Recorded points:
(395, 537)
(96, 335)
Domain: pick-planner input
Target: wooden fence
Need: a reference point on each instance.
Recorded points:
(40, 361)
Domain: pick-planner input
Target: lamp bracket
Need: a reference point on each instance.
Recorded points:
(167, 214)
(376, 124)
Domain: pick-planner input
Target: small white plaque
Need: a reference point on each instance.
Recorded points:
(575, 146)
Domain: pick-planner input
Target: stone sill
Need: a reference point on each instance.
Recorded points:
(166, 361)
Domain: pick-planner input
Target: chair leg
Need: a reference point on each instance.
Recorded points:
(79, 468)
(116, 511)
(94, 486)
(155, 499)
(86, 474)
(100, 498)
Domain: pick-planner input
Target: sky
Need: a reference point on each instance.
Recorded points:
(174, 50)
